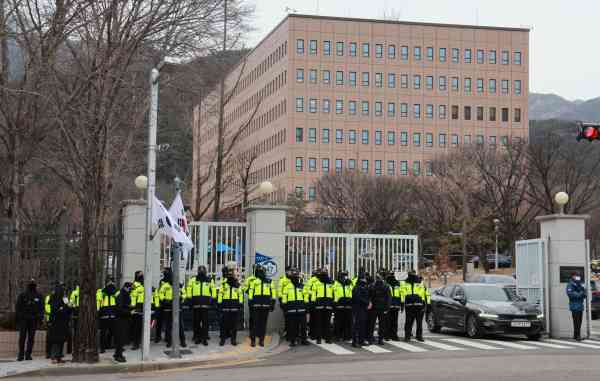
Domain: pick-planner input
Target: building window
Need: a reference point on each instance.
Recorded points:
(378, 51)
(299, 104)
(365, 166)
(312, 135)
(504, 141)
(480, 56)
(312, 76)
(391, 80)
(365, 107)
(429, 139)
(312, 105)
(312, 164)
(339, 48)
(300, 192)
(455, 84)
(378, 79)
(351, 164)
(378, 138)
(417, 111)
(505, 87)
(353, 49)
(479, 113)
(352, 107)
(339, 106)
(429, 82)
(468, 56)
(391, 168)
(377, 167)
(467, 112)
(404, 110)
(479, 85)
(505, 114)
(325, 165)
(479, 140)
(299, 164)
(492, 86)
(454, 140)
(442, 55)
(300, 75)
(339, 136)
(327, 48)
(365, 78)
(455, 55)
(299, 134)
(299, 46)
(326, 106)
(391, 110)
(417, 82)
(517, 58)
(326, 77)
(404, 81)
(442, 140)
(338, 166)
(429, 53)
(339, 78)
(517, 87)
(365, 136)
(517, 115)
(352, 78)
(416, 168)
(492, 57)
(378, 108)
(454, 112)
(417, 139)
(404, 168)
(442, 111)
(492, 114)
(365, 49)
(429, 111)
(312, 193)
(392, 51)
(467, 139)
(493, 141)
(352, 136)
(428, 168)
(404, 138)
(467, 85)
(391, 138)
(505, 58)
(404, 53)
(442, 83)
(417, 53)
(325, 136)
(313, 47)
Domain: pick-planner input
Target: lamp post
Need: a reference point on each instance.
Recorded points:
(176, 252)
(262, 189)
(496, 229)
(561, 199)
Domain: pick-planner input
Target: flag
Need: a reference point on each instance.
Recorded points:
(163, 219)
(178, 213)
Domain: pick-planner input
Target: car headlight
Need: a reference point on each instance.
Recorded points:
(485, 315)
(540, 316)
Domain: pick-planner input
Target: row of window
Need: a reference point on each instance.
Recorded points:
(417, 110)
(265, 118)
(256, 177)
(261, 147)
(418, 81)
(261, 68)
(418, 53)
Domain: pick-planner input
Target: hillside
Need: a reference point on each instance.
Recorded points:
(552, 106)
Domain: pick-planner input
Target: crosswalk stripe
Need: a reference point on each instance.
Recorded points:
(471, 343)
(595, 332)
(407, 347)
(595, 342)
(333, 348)
(574, 343)
(375, 349)
(547, 345)
(443, 346)
(509, 344)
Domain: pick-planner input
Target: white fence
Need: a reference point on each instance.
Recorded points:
(351, 252)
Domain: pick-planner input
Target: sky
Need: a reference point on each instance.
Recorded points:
(564, 39)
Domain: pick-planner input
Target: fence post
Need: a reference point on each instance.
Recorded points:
(350, 254)
(416, 254)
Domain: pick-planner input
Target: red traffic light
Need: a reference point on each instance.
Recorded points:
(588, 131)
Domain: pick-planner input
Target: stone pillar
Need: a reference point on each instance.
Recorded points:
(132, 250)
(266, 236)
(567, 251)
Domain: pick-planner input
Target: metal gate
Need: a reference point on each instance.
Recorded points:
(531, 271)
(216, 243)
(351, 252)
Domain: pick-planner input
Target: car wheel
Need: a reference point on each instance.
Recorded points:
(432, 324)
(472, 327)
(534, 337)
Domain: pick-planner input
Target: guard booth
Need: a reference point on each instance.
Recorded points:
(544, 267)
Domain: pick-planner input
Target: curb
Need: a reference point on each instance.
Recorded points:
(149, 366)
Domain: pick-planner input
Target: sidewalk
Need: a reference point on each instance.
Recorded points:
(193, 355)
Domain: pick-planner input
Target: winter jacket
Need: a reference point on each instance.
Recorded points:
(577, 294)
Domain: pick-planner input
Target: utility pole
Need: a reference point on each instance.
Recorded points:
(176, 252)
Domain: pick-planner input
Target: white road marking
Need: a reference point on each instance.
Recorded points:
(547, 345)
(574, 343)
(333, 348)
(375, 349)
(471, 343)
(509, 344)
(406, 346)
(443, 346)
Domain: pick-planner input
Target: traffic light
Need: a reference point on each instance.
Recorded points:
(588, 131)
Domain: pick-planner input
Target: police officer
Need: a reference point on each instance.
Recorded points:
(229, 301)
(201, 292)
(245, 288)
(311, 307)
(123, 313)
(361, 304)
(322, 298)
(158, 315)
(342, 290)
(395, 307)
(166, 302)
(380, 298)
(261, 299)
(29, 314)
(137, 303)
(60, 314)
(47, 320)
(284, 280)
(414, 296)
(74, 303)
(106, 300)
(577, 294)
(293, 303)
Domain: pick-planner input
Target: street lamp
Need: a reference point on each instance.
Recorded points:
(262, 189)
(141, 183)
(496, 229)
(561, 198)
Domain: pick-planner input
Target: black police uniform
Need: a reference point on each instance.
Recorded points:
(380, 298)
(29, 315)
(360, 305)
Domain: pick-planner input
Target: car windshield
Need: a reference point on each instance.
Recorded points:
(491, 294)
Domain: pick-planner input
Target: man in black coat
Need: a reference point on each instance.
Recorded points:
(361, 304)
(29, 315)
(380, 295)
(122, 323)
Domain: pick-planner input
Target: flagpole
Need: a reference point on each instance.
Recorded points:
(175, 353)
